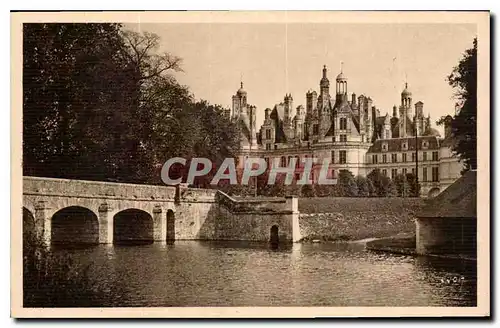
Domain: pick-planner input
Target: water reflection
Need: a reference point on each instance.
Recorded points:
(233, 273)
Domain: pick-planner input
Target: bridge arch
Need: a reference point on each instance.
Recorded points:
(133, 226)
(28, 224)
(74, 225)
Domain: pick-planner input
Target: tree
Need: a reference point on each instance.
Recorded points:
(346, 185)
(307, 190)
(402, 185)
(101, 104)
(364, 186)
(463, 79)
(383, 185)
(74, 81)
(414, 189)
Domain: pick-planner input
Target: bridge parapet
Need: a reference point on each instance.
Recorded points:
(95, 189)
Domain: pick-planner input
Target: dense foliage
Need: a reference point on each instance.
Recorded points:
(52, 280)
(101, 103)
(374, 185)
(463, 79)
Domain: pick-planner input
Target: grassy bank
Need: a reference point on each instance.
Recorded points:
(348, 219)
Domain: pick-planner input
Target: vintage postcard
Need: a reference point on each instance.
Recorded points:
(250, 164)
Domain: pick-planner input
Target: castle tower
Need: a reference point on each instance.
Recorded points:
(299, 123)
(420, 119)
(395, 111)
(239, 102)
(405, 112)
(386, 129)
(246, 114)
(324, 83)
(311, 101)
(324, 94)
(369, 119)
(341, 87)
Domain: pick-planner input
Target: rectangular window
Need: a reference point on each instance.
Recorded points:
(275, 146)
(384, 172)
(394, 173)
(394, 158)
(333, 156)
(405, 171)
(435, 174)
(384, 158)
(424, 156)
(424, 174)
(268, 146)
(283, 161)
(413, 157)
(434, 155)
(404, 157)
(342, 157)
(343, 123)
(315, 129)
(375, 159)
(413, 171)
(343, 138)
(268, 134)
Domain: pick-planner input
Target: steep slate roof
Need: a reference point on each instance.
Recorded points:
(456, 201)
(244, 122)
(397, 144)
(410, 129)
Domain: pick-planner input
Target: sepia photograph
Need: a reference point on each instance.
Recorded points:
(217, 163)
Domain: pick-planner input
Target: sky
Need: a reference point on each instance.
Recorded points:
(275, 59)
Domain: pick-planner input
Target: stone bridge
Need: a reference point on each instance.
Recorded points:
(76, 211)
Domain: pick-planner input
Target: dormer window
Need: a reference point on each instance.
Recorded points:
(404, 146)
(384, 146)
(425, 144)
(343, 123)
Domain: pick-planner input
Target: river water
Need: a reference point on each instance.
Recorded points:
(195, 273)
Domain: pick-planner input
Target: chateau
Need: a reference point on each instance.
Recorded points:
(351, 133)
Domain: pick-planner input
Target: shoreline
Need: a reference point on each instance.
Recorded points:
(403, 244)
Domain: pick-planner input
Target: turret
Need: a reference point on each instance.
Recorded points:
(419, 109)
(406, 97)
(369, 119)
(324, 83)
(288, 103)
(394, 111)
(299, 123)
(311, 101)
(239, 102)
(386, 129)
(341, 87)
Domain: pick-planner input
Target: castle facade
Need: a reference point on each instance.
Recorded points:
(351, 133)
